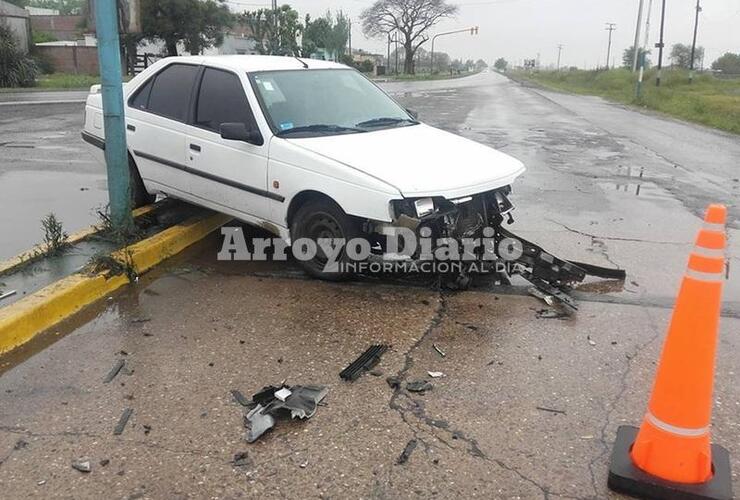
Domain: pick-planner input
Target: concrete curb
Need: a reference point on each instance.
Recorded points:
(23, 320)
(22, 258)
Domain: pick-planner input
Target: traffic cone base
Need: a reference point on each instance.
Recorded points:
(626, 478)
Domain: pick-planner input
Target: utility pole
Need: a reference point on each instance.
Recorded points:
(560, 50)
(116, 153)
(693, 44)
(660, 45)
(349, 36)
(642, 54)
(636, 46)
(609, 27)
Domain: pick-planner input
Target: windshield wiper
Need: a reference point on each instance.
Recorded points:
(389, 120)
(318, 127)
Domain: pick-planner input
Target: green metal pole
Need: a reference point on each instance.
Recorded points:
(116, 155)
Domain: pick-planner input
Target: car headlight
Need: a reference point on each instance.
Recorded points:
(424, 207)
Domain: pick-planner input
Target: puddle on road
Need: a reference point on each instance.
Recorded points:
(646, 190)
(28, 196)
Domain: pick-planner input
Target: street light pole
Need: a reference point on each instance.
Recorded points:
(116, 153)
(473, 31)
(693, 44)
(660, 45)
(610, 27)
(636, 46)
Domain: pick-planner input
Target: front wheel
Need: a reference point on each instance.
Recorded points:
(323, 218)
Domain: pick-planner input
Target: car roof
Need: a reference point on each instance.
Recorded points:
(251, 63)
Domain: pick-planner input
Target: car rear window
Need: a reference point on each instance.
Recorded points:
(170, 92)
(221, 99)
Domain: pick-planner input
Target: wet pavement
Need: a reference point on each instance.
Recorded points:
(45, 167)
(528, 407)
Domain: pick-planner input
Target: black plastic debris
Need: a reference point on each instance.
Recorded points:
(285, 401)
(393, 382)
(419, 386)
(407, 451)
(241, 459)
(123, 421)
(551, 314)
(114, 371)
(241, 399)
(365, 362)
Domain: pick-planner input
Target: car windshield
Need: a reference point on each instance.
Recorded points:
(310, 103)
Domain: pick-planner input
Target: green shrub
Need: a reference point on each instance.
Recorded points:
(16, 69)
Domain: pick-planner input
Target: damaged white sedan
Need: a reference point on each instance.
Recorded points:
(305, 149)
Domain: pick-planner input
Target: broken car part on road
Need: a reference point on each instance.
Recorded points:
(473, 217)
(365, 362)
(274, 402)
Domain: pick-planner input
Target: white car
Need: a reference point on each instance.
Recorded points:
(302, 148)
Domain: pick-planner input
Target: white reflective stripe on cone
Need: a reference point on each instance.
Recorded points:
(713, 226)
(702, 276)
(709, 252)
(679, 431)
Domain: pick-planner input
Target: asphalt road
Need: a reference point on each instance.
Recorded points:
(528, 407)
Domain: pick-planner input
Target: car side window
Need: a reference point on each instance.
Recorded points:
(169, 95)
(221, 99)
(141, 98)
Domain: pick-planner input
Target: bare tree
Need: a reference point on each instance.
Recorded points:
(411, 18)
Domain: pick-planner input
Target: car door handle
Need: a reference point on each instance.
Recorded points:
(131, 128)
(195, 147)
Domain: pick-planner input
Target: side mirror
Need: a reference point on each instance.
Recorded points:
(414, 114)
(239, 132)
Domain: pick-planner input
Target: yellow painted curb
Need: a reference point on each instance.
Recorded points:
(73, 238)
(22, 320)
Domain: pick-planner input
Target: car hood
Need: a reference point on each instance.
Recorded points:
(420, 160)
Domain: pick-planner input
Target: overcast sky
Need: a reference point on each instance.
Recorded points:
(518, 29)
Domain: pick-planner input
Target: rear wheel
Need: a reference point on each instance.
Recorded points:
(139, 194)
(322, 218)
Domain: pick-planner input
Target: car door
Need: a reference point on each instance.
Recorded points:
(156, 127)
(226, 172)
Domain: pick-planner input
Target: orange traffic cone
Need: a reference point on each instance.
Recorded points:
(671, 455)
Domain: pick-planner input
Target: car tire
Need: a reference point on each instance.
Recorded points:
(139, 194)
(322, 218)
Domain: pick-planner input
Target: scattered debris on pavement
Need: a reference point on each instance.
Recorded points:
(274, 402)
(82, 465)
(241, 399)
(551, 314)
(241, 459)
(114, 371)
(407, 451)
(121, 425)
(393, 382)
(7, 294)
(551, 410)
(436, 374)
(419, 386)
(365, 362)
(439, 351)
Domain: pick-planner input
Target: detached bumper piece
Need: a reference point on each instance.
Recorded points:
(273, 403)
(365, 362)
(553, 276)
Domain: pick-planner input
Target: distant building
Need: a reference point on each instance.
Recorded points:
(38, 11)
(60, 27)
(17, 19)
